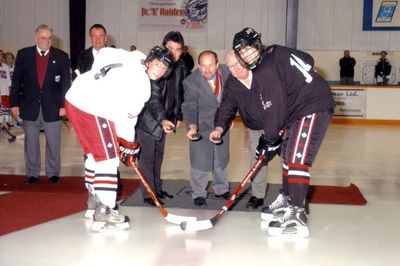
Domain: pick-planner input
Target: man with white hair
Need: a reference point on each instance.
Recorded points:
(241, 79)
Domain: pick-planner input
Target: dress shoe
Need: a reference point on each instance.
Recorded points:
(55, 180)
(164, 194)
(151, 202)
(200, 201)
(225, 196)
(31, 180)
(254, 203)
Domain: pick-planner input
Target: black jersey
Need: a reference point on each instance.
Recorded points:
(237, 98)
(289, 88)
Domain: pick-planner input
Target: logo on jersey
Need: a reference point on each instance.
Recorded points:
(265, 104)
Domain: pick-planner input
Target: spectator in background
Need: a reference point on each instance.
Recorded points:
(5, 81)
(40, 82)
(347, 64)
(132, 48)
(98, 38)
(187, 58)
(382, 70)
(10, 61)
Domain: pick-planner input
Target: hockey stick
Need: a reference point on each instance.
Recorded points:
(175, 219)
(12, 136)
(207, 224)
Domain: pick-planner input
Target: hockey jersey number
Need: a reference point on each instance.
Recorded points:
(302, 66)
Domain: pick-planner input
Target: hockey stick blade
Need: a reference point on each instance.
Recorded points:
(196, 225)
(208, 224)
(174, 219)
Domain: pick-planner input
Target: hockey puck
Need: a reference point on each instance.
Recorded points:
(183, 226)
(196, 137)
(215, 139)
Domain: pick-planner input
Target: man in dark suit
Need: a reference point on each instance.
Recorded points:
(40, 81)
(98, 38)
(203, 94)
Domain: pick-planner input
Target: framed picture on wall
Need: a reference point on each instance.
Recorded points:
(381, 15)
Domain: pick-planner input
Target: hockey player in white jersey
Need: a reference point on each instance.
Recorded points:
(103, 105)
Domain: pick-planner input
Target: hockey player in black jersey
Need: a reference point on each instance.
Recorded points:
(297, 107)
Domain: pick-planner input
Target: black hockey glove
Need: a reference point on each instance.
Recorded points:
(268, 148)
(128, 151)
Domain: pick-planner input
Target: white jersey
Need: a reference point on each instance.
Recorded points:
(5, 80)
(118, 96)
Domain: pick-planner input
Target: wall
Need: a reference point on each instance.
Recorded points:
(335, 25)
(225, 18)
(380, 103)
(21, 17)
(325, 27)
(383, 103)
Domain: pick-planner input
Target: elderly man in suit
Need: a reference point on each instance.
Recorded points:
(40, 81)
(203, 94)
(98, 38)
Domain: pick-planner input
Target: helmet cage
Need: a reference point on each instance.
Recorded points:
(247, 38)
(163, 55)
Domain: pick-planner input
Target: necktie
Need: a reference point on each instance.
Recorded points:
(212, 84)
(42, 53)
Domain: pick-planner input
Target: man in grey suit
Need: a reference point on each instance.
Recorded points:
(202, 96)
(40, 81)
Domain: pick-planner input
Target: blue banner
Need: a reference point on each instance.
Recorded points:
(381, 15)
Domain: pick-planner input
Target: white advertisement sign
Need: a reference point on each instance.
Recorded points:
(349, 102)
(168, 15)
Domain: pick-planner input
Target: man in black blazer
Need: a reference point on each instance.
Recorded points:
(98, 38)
(40, 81)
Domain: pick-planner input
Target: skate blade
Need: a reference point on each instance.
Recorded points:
(103, 227)
(89, 214)
(294, 231)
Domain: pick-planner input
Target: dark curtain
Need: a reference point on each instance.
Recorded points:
(77, 31)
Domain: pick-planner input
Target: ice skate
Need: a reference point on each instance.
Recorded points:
(276, 209)
(293, 223)
(107, 219)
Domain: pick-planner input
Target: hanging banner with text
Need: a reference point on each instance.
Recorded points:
(169, 15)
(349, 103)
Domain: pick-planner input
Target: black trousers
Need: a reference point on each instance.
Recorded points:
(303, 138)
(150, 160)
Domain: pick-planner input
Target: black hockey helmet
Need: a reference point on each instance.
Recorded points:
(247, 37)
(162, 54)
